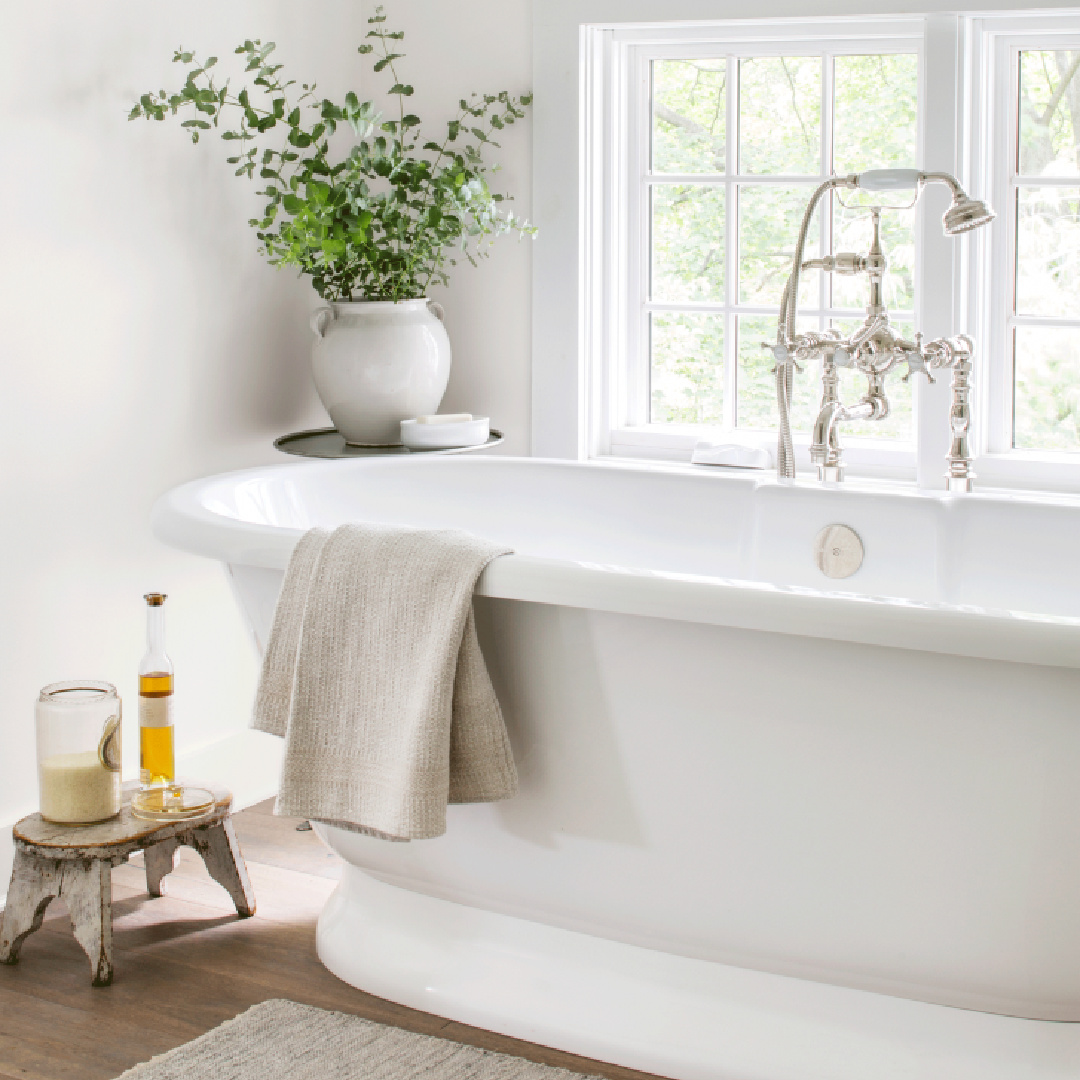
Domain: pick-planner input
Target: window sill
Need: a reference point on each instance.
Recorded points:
(1025, 471)
(856, 481)
(1030, 470)
(870, 458)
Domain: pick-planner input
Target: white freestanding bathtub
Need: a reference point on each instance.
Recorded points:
(771, 826)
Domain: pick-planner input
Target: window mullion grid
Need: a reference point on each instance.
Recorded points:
(1004, 182)
(1045, 181)
(1007, 436)
(638, 398)
(765, 179)
(1003, 338)
(1015, 320)
(1062, 321)
(731, 247)
(730, 310)
(826, 230)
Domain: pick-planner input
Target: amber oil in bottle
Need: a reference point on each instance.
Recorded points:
(156, 755)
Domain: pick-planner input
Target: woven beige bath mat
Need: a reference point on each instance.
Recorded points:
(281, 1040)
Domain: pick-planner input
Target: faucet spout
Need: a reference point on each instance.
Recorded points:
(825, 442)
(825, 450)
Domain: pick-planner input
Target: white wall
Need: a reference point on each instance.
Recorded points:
(143, 342)
(452, 50)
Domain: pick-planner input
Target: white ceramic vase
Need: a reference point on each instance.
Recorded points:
(378, 362)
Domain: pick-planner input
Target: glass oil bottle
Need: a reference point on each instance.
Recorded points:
(160, 798)
(157, 759)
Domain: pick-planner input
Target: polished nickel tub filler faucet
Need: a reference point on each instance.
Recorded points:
(874, 349)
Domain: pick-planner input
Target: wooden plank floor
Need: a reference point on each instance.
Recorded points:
(185, 963)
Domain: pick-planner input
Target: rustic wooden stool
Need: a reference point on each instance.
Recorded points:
(74, 863)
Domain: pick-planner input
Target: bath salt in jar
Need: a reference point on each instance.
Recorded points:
(78, 751)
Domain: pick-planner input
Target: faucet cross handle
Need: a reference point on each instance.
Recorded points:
(782, 355)
(916, 362)
(949, 352)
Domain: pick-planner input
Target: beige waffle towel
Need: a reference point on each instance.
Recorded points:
(374, 677)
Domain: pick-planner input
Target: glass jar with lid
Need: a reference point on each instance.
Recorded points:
(78, 751)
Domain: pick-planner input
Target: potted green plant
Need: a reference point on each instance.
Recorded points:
(372, 225)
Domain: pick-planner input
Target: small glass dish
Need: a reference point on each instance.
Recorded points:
(170, 802)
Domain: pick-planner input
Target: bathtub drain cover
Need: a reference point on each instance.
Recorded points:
(838, 551)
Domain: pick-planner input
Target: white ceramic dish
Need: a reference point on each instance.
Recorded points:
(419, 436)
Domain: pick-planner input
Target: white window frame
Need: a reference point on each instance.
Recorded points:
(620, 427)
(578, 252)
(994, 44)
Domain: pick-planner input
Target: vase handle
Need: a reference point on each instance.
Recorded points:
(437, 310)
(320, 320)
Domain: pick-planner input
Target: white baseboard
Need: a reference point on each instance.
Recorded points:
(247, 762)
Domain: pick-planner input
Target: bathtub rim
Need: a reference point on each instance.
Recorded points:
(182, 519)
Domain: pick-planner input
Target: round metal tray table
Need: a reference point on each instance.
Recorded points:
(330, 443)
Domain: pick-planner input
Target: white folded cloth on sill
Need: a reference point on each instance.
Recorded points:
(374, 677)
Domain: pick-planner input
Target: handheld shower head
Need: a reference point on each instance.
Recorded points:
(965, 214)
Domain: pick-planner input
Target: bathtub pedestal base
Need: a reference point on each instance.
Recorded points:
(678, 1017)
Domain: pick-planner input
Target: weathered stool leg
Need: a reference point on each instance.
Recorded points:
(86, 888)
(220, 851)
(160, 860)
(35, 883)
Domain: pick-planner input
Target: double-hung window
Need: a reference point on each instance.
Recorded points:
(700, 146)
(1042, 200)
(729, 143)
(1031, 162)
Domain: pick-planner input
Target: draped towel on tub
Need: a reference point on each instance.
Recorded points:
(374, 677)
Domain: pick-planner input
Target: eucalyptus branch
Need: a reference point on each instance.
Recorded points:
(383, 221)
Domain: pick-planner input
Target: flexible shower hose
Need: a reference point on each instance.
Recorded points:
(785, 331)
